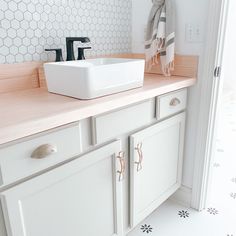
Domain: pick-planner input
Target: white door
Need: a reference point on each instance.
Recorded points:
(208, 100)
(156, 165)
(80, 198)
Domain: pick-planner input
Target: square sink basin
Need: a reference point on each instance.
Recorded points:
(92, 78)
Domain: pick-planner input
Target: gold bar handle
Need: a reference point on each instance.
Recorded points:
(174, 102)
(121, 172)
(43, 151)
(140, 155)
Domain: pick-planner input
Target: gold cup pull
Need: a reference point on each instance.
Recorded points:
(43, 151)
(140, 155)
(121, 172)
(174, 102)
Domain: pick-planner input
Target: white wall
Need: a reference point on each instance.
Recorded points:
(140, 12)
(187, 11)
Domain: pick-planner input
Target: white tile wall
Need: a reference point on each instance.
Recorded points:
(27, 27)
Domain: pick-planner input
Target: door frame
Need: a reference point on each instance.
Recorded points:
(210, 89)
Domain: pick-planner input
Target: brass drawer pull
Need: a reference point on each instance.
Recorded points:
(140, 154)
(43, 151)
(121, 172)
(174, 102)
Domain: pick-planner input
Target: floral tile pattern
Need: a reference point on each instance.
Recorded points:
(146, 228)
(183, 214)
(216, 165)
(233, 195)
(212, 211)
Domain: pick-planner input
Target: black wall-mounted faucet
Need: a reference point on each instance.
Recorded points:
(70, 46)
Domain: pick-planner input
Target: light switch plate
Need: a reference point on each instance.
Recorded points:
(193, 33)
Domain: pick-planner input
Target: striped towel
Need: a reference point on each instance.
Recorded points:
(160, 37)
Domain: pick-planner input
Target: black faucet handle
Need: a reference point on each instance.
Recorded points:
(58, 53)
(81, 52)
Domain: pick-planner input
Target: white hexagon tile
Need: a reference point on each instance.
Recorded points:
(27, 27)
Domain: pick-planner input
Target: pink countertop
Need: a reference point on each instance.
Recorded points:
(32, 111)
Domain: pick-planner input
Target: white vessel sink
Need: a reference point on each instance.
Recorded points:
(87, 79)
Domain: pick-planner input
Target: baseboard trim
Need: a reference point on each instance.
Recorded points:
(183, 196)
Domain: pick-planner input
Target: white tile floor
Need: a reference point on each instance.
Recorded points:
(219, 219)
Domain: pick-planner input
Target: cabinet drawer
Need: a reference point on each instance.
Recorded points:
(16, 161)
(171, 103)
(111, 125)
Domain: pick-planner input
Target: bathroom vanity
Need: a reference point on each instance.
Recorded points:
(98, 167)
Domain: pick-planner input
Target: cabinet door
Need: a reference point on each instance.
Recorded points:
(156, 165)
(82, 197)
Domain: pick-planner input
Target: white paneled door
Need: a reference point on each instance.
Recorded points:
(82, 197)
(156, 165)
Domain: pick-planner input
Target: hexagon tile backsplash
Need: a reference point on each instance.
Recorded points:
(27, 27)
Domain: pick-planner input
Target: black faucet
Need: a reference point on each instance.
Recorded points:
(70, 46)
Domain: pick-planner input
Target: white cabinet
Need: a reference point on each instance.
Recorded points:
(156, 165)
(113, 124)
(82, 197)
